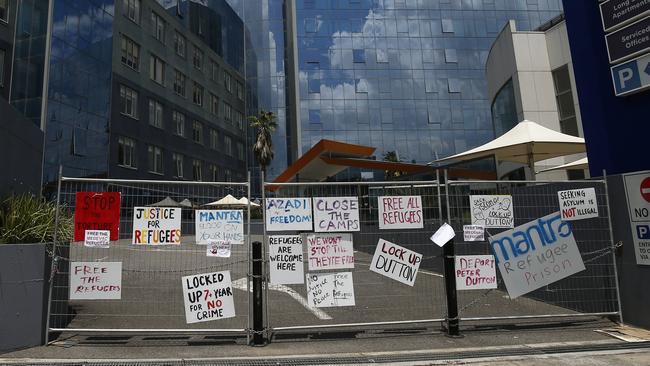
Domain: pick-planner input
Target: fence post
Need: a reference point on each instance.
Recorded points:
(54, 259)
(258, 310)
(613, 248)
(453, 323)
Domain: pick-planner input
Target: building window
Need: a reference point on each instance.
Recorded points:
(313, 85)
(4, 10)
(214, 173)
(227, 145)
(132, 10)
(358, 56)
(197, 58)
(126, 152)
(197, 93)
(564, 99)
(227, 112)
(179, 44)
(240, 151)
(240, 91)
(214, 104)
(239, 120)
(179, 123)
(128, 101)
(197, 132)
(155, 113)
(155, 159)
(196, 170)
(178, 165)
(130, 53)
(504, 110)
(158, 27)
(214, 71)
(214, 139)
(179, 83)
(450, 55)
(157, 70)
(447, 26)
(2, 67)
(227, 175)
(227, 82)
(575, 174)
(314, 116)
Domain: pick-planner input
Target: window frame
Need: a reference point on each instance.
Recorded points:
(180, 87)
(197, 93)
(177, 161)
(158, 27)
(136, 6)
(123, 143)
(197, 170)
(132, 95)
(127, 44)
(156, 113)
(178, 39)
(178, 121)
(157, 68)
(197, 57)
(155, 158)
(197, 132)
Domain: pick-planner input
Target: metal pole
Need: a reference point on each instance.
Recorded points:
(248, 255)
(439, 197)
(54, 259)
(258, 310)
(453, 324)
(264, 241)
(611, 238)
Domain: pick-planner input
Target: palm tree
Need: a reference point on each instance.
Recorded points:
(265, 124)
(394, 158)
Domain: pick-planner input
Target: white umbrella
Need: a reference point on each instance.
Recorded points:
(166, 202)
(229, 200)
(186, 203)
(578, 164)
(244, 201)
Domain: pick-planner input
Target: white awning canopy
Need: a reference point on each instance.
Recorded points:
(229, 200)
(578, 164)
(244, 201)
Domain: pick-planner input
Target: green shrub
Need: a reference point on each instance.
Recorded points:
(28, 219)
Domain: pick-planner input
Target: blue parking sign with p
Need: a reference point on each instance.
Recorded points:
(643, 231)
(626, 77)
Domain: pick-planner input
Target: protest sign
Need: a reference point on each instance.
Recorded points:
(219, 225)
(95, 280)
(536, 254)
(156, 225)
(443, 235)
(286, 259)
(219, 249)
(578, 204)
(207, 297)
(400, 212)
(96, 211)
(473, 233)
(335, 214)
(330, 251)
(330, 289)
(475, 272)
(396, 262)
(492, 211)
(288, 214)
(97, 238)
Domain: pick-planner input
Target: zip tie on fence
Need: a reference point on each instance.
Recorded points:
(475, 301)
(264, 331)
(250, 275)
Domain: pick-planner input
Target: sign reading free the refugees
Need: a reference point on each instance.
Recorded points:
(536, 254)
(288, 214)
(492, 211)
(95, 280)
(219, 225)
(156, 225)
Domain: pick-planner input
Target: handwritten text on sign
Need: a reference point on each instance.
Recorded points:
(97, 238)
(287, 214)
(96, 211)
(577, 204)
(396, 262)
(400, 212)
(219, 225)
(473, 233)
(221, 249)
(156, 225)
(286, 260)
(475, 272)
(207, 297)
(333, 214)
(95, 280)
(330, 289)
(492, 211)
(330, 251)
(536, 254)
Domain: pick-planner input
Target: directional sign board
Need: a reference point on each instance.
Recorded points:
(637, 191)
(629, 41)
(616, 13)
(632, 76)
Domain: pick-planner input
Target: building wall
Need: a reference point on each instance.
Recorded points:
(6, 45)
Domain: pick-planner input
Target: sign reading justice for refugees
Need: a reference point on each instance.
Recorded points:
(156, 225)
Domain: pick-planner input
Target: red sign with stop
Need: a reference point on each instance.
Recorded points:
(97, 211)
(645, 189)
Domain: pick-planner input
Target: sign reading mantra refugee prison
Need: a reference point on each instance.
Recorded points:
(288, 214)
(492, 211)
(336, 214)
(396, 262)
(286, 259)
(637, 189)
(536, 254)
(475, 272)
(156, 225)
(330, 251)
(219, 225)
(632, 76)
(207, 297)
(95, 280)
(400, 212)
(97, 211)
(330, 289)
(615, 13)
(629, 41)
(578, 204)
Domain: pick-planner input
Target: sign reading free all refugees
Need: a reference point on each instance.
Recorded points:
(400, 212)
(288, 214)
(219, 225)
(156, 225)
(536, 254)
(96, 211)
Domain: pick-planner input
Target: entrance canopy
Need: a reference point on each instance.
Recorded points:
(578, 164)
(229, 200)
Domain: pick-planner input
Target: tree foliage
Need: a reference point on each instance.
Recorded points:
(264, 123)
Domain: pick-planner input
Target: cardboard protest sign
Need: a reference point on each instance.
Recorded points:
(97, 211)
(330, 251)
(443, 235)
(473, 233)
(475, 272)
(97, 238)
(219, 249)
(219, 225)
(578, 204)
(95, 280)
(207, 297)
(288, 214)
(400, 212)
(156, 225)
(536, 254)
(396, 262)
(492, 211)
(286, 259)
(330, 289)
(336, 214)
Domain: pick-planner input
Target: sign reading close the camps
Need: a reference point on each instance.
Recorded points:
(493, 211)
(475, 272)
(96, 211)
(207, 297)
(330, 251)
(97, 238)
(396, 262)
(221, 249)
(219, 225)
(95, 280)
(473, 233)
(578, 204)
(335, 214)
(330, 289)
(286, 259)
(288, 214)
(637, 190)
(400, 212)
(156, 225)
(536, 254)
